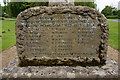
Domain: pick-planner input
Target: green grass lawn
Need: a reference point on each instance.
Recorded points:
(113, 19)
(113, 37)
(8, 38)
(8, 18)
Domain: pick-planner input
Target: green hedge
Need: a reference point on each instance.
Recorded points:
(112, 17)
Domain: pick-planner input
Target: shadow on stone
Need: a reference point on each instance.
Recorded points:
(57, 62)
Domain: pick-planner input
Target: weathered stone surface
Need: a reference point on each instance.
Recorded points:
(110, 70)
(68, 35)
(61, 2)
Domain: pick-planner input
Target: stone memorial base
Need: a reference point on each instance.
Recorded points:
(12, 70)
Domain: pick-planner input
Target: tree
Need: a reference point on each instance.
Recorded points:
(118, 14)
(33, 4)
(89, 4)
(107, 11)
(114, 11)
(1, 11)
(14, 8)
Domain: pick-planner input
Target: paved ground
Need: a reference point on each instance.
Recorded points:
(114, 20)
(113, 53)
(7, 19)
(7, 55)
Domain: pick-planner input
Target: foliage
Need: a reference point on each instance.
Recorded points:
(112, 17)
(107, 10)
(12, 9)
(33, 4)
(1, 11)
(118, 14)
(90, 4)
(110, 12)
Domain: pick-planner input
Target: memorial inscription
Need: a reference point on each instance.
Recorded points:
(62, 34)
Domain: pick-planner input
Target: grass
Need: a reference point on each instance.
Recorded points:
(113, 35)
(112, 16)
(8, 38)
(113, 19)
(8, 18)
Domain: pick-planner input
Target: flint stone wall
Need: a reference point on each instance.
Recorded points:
(61, 36)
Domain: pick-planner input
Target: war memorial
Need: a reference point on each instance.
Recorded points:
(61, 41)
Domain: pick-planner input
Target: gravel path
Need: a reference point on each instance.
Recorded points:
(114, 20)
(7, 19)
(7, 55)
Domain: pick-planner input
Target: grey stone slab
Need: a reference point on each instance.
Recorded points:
(67, 35)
